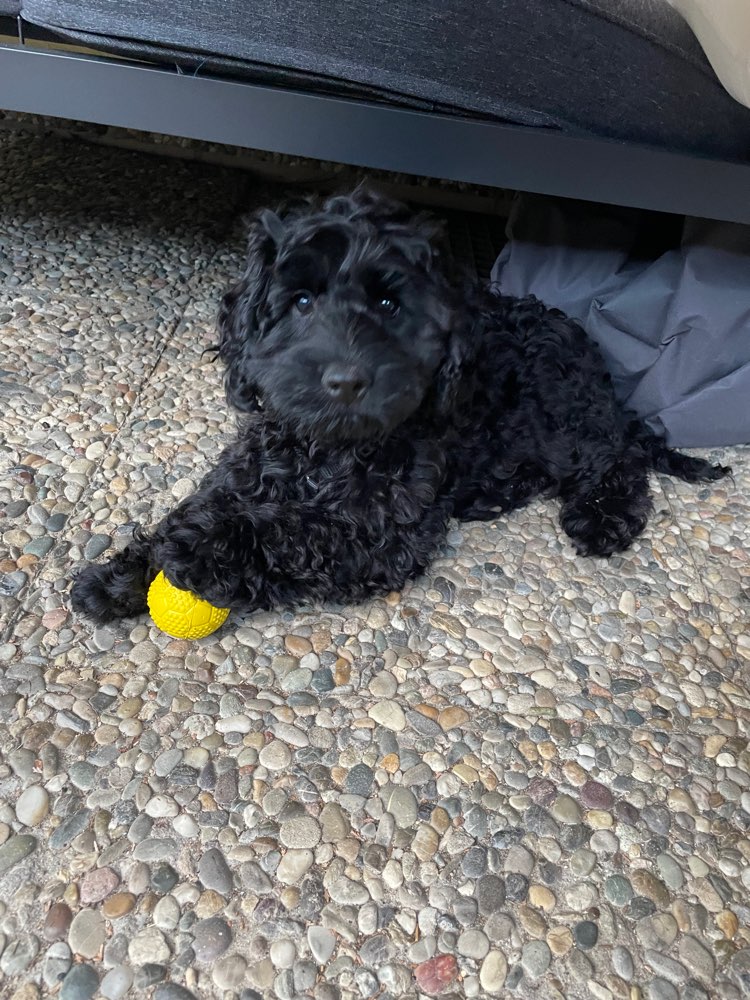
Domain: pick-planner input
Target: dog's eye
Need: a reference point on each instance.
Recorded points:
(388, 305)
(303, 301)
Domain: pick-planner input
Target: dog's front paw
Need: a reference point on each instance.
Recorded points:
(599, 528)
(104, 595)
(115, 589)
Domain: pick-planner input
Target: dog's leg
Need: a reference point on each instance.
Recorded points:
(117, 588)
(196, 545)
(608, 514)
(209, 545)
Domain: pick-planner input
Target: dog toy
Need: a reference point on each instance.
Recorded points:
(181, 614)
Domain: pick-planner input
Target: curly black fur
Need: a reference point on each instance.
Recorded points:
(384, 395)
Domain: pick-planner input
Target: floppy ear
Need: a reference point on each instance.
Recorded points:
(454, 381)
(238, 313)
(241, 310)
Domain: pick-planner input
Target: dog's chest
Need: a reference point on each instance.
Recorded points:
(352, 481)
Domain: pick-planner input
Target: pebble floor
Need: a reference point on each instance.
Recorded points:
(528, 775)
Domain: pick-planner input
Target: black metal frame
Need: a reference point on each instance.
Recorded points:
(113, 91)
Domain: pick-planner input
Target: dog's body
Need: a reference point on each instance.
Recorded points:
(384, 396)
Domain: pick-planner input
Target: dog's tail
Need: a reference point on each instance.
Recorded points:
(674, 463)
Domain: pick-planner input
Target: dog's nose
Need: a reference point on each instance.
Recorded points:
(345, 383)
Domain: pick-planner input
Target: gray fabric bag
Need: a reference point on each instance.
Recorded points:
(666, 299)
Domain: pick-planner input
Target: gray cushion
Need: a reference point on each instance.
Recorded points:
(628, 69)
(10, 8)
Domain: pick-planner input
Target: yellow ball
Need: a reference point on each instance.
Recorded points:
(180, 613)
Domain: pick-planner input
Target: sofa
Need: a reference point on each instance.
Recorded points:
(604, 100)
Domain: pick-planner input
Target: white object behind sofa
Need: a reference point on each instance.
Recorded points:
(723, 29)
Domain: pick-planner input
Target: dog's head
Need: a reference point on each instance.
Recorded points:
(346, 320)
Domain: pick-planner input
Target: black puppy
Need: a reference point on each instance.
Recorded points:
(384, 395)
